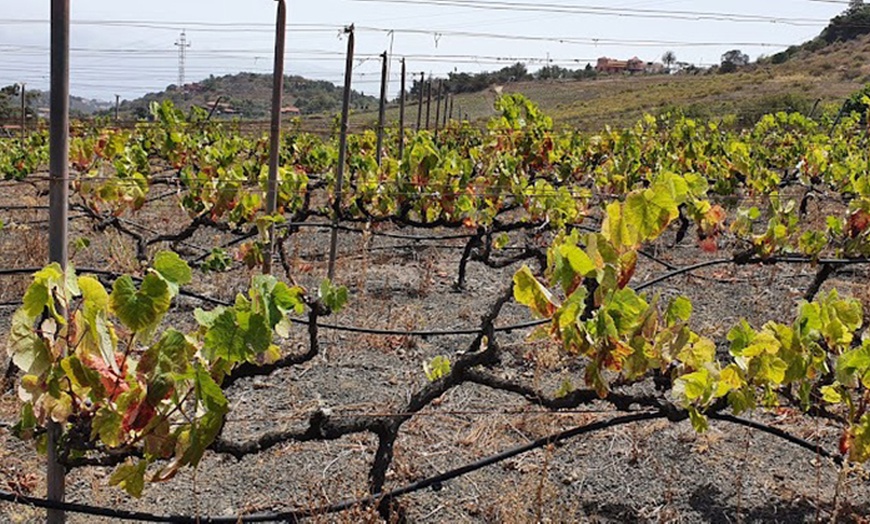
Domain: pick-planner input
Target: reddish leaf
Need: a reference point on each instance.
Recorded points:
(138, 416)
(709, 244)
(858, 222)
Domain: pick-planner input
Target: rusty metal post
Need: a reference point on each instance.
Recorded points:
(342, 153)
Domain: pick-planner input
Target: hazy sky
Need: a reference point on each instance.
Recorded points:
(129, 48)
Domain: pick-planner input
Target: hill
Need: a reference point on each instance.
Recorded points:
(822, 72)
(249, 95)
(828, 75)
(38, 102)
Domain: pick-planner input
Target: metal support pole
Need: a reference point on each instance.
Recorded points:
(428, 102)
(402, 114)
(23, 111)
(438, 107)
(342, 153)
(452, 98)
(58, 231)
(420, 101)
(446, 99)
(117, 107)
(275, 129)
(382, 107)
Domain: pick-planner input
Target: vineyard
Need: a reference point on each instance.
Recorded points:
(658, 323)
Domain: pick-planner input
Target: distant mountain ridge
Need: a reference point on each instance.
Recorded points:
(78, 106)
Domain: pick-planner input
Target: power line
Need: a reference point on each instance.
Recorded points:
(694, 16)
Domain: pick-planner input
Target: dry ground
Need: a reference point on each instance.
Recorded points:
(656, 472)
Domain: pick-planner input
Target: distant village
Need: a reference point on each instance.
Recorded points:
(633, 65)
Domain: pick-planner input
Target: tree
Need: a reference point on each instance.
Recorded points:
(732, 60)
(852, 23)
(10, 101)
(669, 58)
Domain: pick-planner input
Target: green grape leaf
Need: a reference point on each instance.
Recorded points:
(143, 308)
(740, 337)
(831, 394)
(569, 312)
(615, 228)
(172, 269)
(530, 293)
(171, 354)
(291, 298)
(275, 298)
(208, 392)
(647, 214)
(694, 386)
(27, 349)
(35, 299)
(333, 297)
(437, 368)
(130, 477)
(94, 296)
(730, 380)
(570, 265)
(772, 369)
(764, 343)
(854, 366)
(698, 353)
(859, 449)
(107, 426)
(501, 241)
(49, 284)
(679, 310)
(27, 424)
(699, 421)
(207, 319)
(82, 376)
(237, 336)
(565, 389)
(206, 427)
(95, 305)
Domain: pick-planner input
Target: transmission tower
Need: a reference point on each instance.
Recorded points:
(182, 45)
